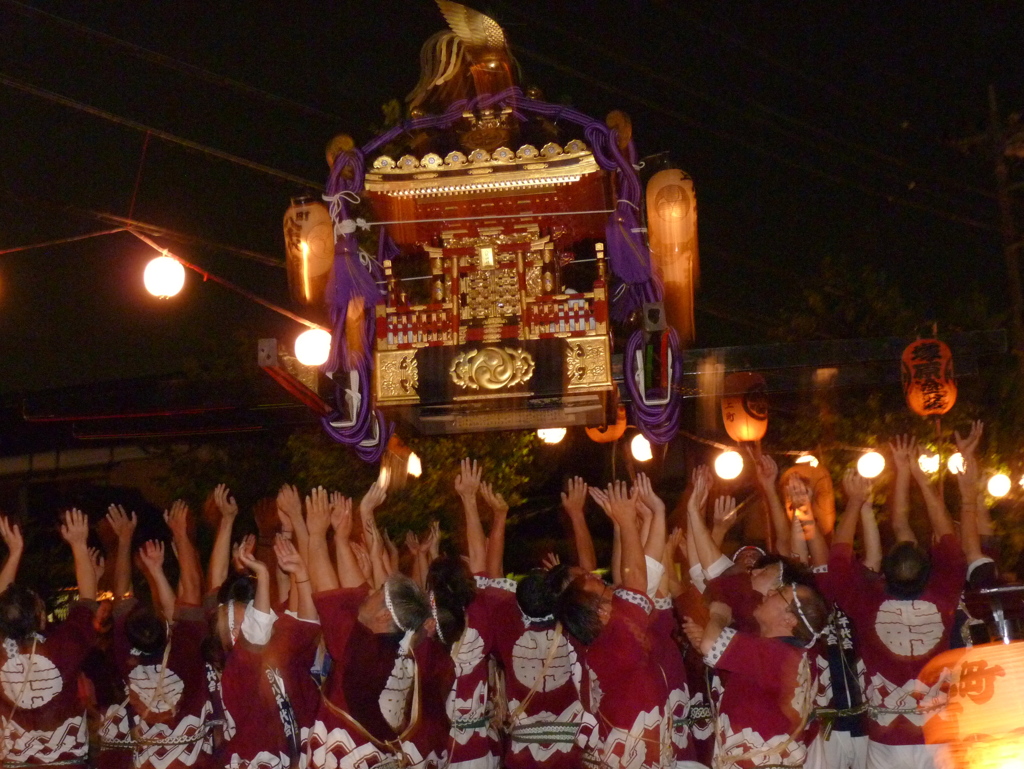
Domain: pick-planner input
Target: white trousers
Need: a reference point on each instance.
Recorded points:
(839, 751)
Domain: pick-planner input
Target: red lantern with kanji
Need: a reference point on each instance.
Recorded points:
(745, 406)
(927, 373)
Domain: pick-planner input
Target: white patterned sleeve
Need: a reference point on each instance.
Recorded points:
(719, 647)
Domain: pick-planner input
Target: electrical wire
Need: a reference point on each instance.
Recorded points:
(59, 241)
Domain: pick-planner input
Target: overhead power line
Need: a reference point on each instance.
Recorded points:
(59, 241)
(57, 98)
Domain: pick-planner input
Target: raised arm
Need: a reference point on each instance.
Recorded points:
(151, 559)
(903, 449)
(467, 483)
(857, 489)
(75, 531)
(620, 506)
(318, 520)
(871, 535)
(190, 581)
(574, 500)
(967, 481)
(290, 562)
(220, 556)
(766, 472)
(703, 638)
(123, 527)
(496, 541)
(654, 545)
(11, 534)
(261, 601)
(371, 534)
(723, 518)
(938, 515)
(707, 551)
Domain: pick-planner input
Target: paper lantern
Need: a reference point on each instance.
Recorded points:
(927, 373)
(983, 721)
(309, 248)
(609, 433)
(313, 347)
(672, 233)
(745, 406)
(641, 448)
(728, 465)
(164, 277)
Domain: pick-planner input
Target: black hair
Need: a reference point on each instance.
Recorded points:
(792, 570)
(449, 579)
(19, 613)
(558, 578)
(409, 604)
(240, 588)
(146, 631)
(535, 596)
(815, 610)
(577, 610)
(907, 569)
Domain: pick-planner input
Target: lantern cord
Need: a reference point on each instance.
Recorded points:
(61, 241)
(531, 215)
(228, 284)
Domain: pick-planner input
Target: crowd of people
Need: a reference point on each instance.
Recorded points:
(332, 648)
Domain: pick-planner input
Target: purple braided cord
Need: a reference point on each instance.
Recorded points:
(658, 423)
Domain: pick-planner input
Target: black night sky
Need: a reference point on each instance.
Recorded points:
(812, 130)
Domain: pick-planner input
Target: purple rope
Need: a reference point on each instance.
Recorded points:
(658, 423)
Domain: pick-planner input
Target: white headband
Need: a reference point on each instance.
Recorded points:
(437, 620)
(391, 608)
(803, 617)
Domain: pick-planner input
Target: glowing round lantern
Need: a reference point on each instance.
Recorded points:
(871, 464)
(551, 435)
(672, 233)
(982, 723)
(927, 374)
(609, 433)
(728, 465)
(641, 448)
(955, 464)
(929, 463)
(745, 406)
(313, 347)
(999, 485)
(309, 249)
(164, 277)
(413, 466)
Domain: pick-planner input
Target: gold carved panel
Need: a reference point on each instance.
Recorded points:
(588, 363)
(397, 377)
(491, 368)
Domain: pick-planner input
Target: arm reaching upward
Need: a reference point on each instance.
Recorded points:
(903, 448)
(654, 545)
(123, 527)
(289, 507)
(620, 506)
(967, 481)
(467, 482)
(767, 472)
(707, 551)
(318, 520)
(220, 556)
(938, 515)
(151, 559)
(261, 602)
(190, 581)
(574, 500)
(75, 531)
(857, 489)
(290, 562)
(11, 534)
(495, 542)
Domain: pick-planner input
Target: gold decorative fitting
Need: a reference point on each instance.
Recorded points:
(491, 368)
(503, 155)
(455, 159)
(587, 363)
(397, 377)
(431, 160)
(551, 149)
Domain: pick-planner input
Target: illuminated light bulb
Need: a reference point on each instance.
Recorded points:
(870, 464)
(384, 477)
(999, 485)
(728, 465)
(413, 466)
(641, 448)
(955, 464)
(929, 463)
(164, 277)
(551, 435)
(313, 347)
(1022, 481)
(807, 459)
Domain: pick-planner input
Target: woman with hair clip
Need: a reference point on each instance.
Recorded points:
(41, 719)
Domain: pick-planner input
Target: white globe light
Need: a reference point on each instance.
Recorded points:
(551, 435)
(413, 466)
(871, 464)
(807, 459)
(728, 465)
(313, 347)
(929, 463)
(164, 277)
(641, 448)
(955, 464)
(999, 485)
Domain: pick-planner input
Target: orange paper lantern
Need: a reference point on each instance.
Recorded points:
(609, 433)
(309, 247)
(672, 233)
(745, 406)
(927, 373)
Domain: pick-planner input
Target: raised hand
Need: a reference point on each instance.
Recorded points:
(645, 493)
(434, 540)
(765, 469)
(363, 559)
(225, 503)
(969, 445)
(701, 487)
(122, 524)
(75, 528)
(318, 512)
(550, 561)
(574, 498)
(341, 515)
(288, 559)
(177, 518)
(289, 504)
(467, 482)
(725, 512)
(99, 563)
(618, 502)
(797, 491)
(11, 534)
(372, 499)
(412, 543)
(904, 450)
(494, 500)
(856, 485)
(151, 555)
(246, 558)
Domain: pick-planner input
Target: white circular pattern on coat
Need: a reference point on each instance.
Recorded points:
(470, 652)
(909, 628)
(44, 681)
(143, 681)
(530, 653)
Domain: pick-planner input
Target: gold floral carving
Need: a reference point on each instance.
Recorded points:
(587, 363)
(397, 377)
(491, 368)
